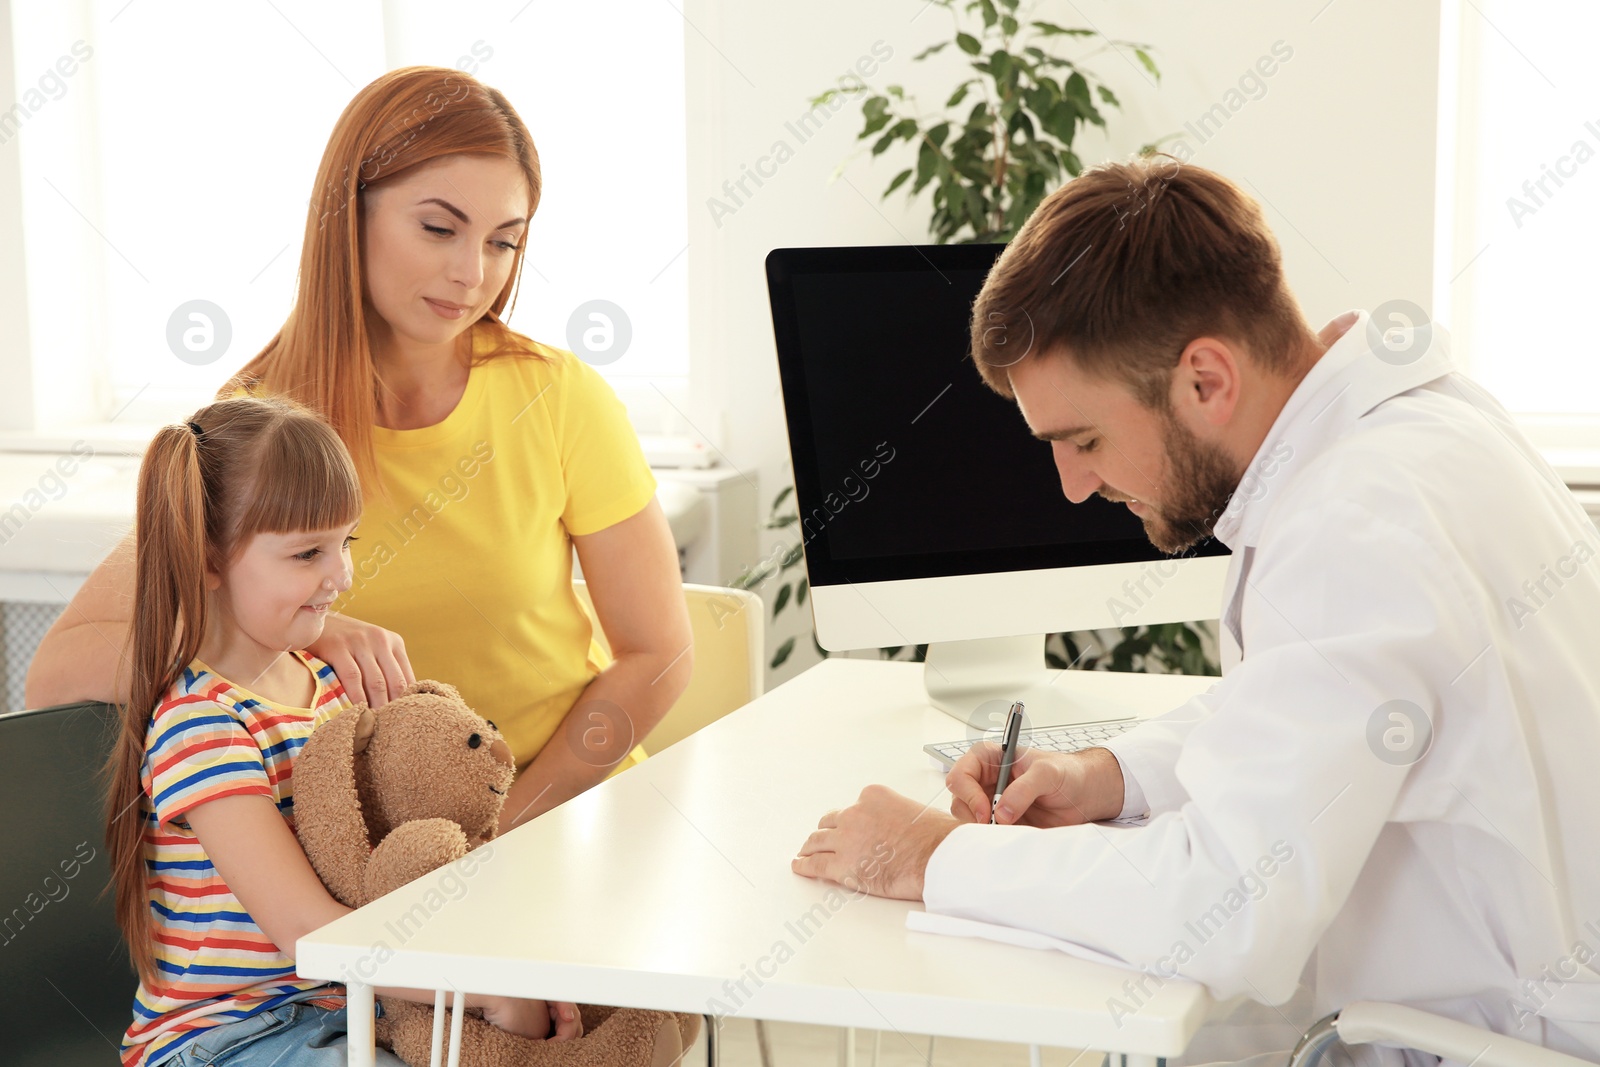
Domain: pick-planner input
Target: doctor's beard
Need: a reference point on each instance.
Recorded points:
(1200, 479)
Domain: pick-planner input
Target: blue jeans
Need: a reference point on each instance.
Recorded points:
(290, 1035)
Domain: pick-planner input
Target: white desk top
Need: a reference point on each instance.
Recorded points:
(664, 886)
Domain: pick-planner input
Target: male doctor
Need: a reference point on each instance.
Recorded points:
(1392, 793)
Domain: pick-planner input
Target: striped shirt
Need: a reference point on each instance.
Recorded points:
(210, 738)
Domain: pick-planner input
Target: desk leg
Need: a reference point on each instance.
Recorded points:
(360, 1038)
(1125, 1059)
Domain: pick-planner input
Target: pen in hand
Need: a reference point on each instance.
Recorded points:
(1008, 756)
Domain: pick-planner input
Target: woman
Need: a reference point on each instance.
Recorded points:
(482, 454)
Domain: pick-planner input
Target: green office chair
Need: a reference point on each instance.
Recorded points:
(68, 984)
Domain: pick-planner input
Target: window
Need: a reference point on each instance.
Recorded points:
(175, 162)
(1518, 287)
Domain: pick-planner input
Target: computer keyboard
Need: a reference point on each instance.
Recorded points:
(1049, 738)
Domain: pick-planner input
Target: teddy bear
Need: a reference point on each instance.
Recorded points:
(383, 798)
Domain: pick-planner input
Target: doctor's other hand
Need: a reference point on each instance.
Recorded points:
(879, 845)
(1046, 788)
(370, 661)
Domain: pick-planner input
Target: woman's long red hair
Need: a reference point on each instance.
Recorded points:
(410, 116)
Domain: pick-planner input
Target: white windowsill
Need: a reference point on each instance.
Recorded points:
(1570, 444)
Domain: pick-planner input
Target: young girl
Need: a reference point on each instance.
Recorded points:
(244, 521)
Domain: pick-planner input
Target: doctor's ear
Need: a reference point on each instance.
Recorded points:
(1206, 383)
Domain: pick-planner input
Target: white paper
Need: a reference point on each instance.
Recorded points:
(951, 926)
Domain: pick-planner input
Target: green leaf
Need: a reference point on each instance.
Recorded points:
(781, 521)
(794, 557)
(960, 94)
(1008, 25)
(1061, 121)
(990, 15)
(938, 134)
(1050, 29)
(752, 578)
(1002, 68)
(899, 180)
(1149, 64)
(783, 598)
(977, 210)
(800, 592)
(934, 50)
(927, 162)
(966, 42)
(782, 654)
(873, 125)
(905, 130)
(1107, 96)
(1077, 87)
(781, 497)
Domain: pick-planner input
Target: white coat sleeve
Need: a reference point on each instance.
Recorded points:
(1283, 793)
(1148, 757)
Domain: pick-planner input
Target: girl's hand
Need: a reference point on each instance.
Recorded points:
(525, 1018)
(370, 661)
(565, 1021)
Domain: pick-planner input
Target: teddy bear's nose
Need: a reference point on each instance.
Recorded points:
(502, 752)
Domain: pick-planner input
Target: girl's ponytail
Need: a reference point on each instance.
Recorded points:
(169, 620)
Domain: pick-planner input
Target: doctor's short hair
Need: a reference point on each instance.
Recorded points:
(1120, 268)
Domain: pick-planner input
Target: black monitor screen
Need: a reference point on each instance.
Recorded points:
(906, 464)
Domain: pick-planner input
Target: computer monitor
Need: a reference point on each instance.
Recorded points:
(929, 513)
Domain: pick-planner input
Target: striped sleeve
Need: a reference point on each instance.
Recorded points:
(199, 750)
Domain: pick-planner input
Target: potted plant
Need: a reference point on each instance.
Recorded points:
(1002, 140)
(1004, 136)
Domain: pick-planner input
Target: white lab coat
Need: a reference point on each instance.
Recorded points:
(1404, 543)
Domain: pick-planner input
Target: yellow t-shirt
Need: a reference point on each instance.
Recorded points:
(470, 560)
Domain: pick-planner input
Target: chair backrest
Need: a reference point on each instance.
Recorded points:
(729, 634)
(68, 984)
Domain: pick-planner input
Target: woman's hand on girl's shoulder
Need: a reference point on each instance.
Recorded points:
(370, 661)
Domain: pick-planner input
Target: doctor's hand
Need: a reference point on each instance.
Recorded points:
(1046, 788)
(879, 845)
(370, 661)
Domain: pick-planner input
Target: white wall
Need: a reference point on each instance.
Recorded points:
(1339, 148)
(15, 410)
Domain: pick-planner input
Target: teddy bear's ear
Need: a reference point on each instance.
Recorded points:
(327, 804)
(428, 685)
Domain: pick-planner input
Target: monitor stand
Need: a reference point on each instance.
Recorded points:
(976, 681)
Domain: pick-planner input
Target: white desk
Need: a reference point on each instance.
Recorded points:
(666, 885)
